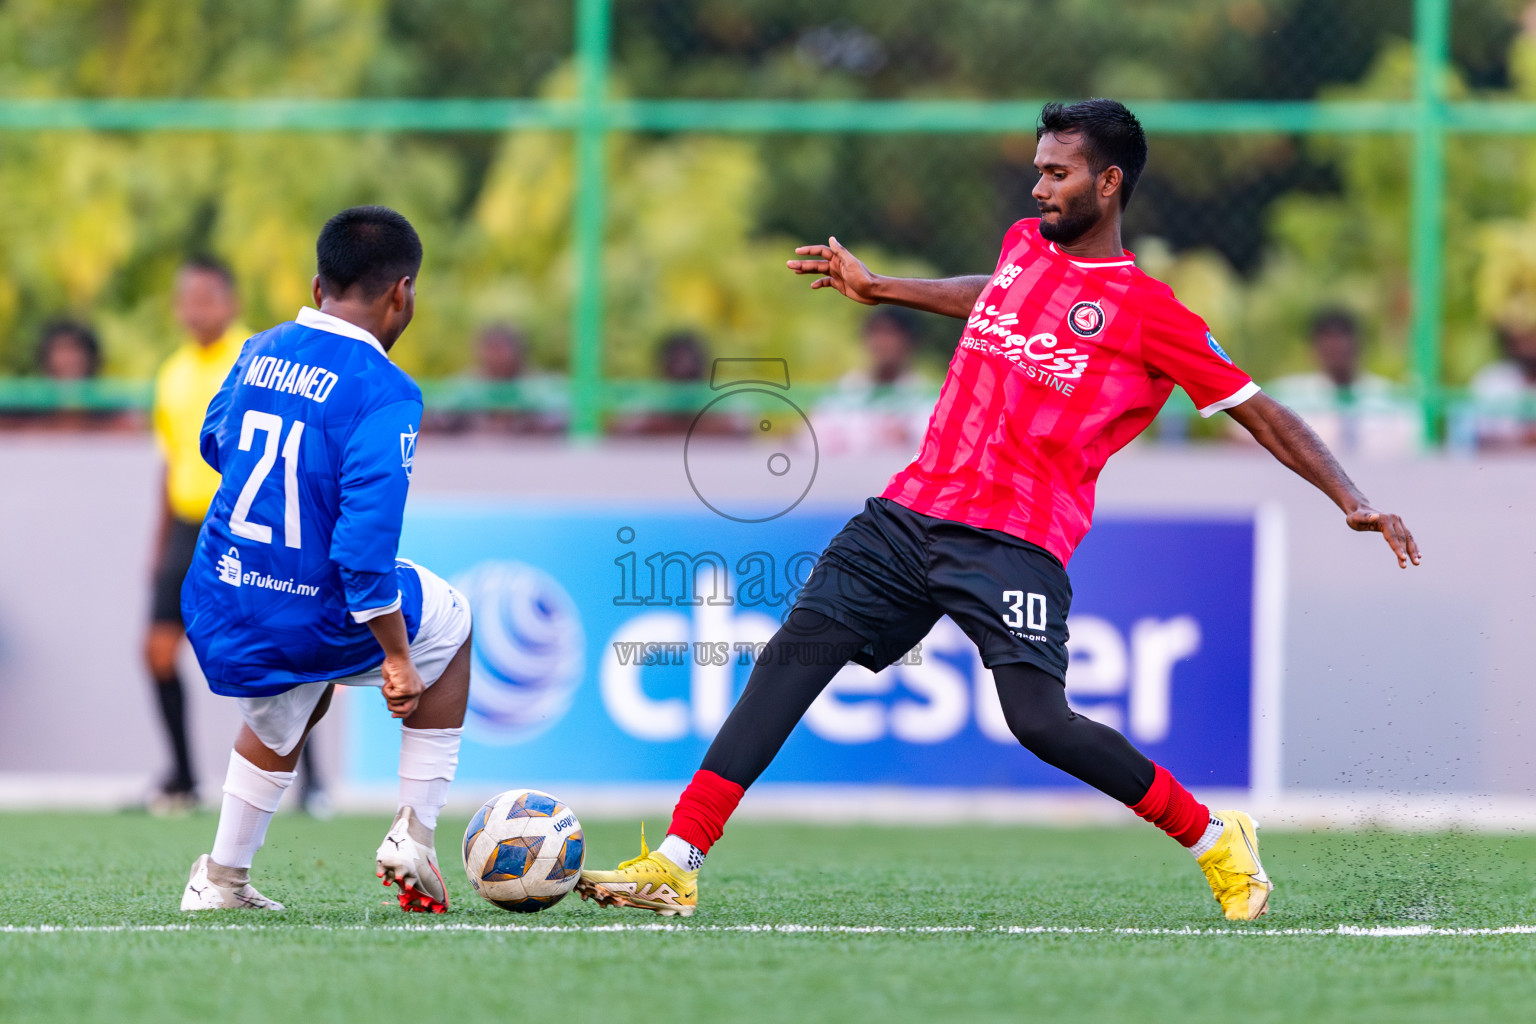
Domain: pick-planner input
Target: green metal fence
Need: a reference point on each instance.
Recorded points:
(1429, 119)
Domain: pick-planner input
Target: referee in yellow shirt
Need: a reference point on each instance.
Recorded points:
(207, 308)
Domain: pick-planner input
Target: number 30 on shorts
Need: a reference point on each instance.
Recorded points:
(1025, 611)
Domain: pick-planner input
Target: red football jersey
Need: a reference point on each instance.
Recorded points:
(1062, 362)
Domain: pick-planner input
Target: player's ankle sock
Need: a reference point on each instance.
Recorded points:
(228, 877)
(428, 760)
(426, 797)
(251, 796)
(1207, 841)
(1171, 808)
(682, 853)
(703, 809)
(173, 711)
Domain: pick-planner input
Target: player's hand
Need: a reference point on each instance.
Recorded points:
(1367, 520)
(402, 686)
(841, 269)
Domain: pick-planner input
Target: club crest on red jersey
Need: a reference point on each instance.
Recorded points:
(1086, 319)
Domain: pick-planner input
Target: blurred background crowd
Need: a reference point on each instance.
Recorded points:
(1294, 248)
(166, 165)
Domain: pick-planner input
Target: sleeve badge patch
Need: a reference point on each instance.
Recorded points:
(408, 451)
(1210, 339)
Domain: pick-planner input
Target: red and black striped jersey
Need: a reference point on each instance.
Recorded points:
(1062, 362)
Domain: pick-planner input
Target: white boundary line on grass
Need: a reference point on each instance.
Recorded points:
(1343, 930)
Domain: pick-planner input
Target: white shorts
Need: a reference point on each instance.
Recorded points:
(279, 720)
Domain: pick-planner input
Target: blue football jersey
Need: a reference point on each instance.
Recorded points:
(314, 433)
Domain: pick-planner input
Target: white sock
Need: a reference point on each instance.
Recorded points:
(428, 760)
(1207, 840)
(681, 852)
(251, 797)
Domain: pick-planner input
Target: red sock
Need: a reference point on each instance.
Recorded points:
(1169, 806)
(704, 808)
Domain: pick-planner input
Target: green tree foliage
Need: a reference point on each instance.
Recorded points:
(1349, 247)
(94, 224)
(1255, 232)
(682, 252)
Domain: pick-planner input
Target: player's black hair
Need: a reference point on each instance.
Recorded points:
(55, 330)
(1340, 320)
(206, 264)
(1112, 137)
(370, 247)
(899, 317)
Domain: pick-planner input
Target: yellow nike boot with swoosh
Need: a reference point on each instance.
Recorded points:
(647, 882)
(1233, 869)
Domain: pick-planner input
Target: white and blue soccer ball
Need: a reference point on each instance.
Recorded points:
(523, 850)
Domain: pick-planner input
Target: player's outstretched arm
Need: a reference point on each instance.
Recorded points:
(1297, 446)
(840, 269)
(402, 683)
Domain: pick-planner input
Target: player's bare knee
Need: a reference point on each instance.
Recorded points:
(445, 702)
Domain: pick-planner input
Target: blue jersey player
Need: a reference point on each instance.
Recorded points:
(295, 586)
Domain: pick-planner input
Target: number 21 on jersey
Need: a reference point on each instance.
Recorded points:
(272, 426)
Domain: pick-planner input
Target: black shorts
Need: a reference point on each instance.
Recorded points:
(175, 560)
(892, 572)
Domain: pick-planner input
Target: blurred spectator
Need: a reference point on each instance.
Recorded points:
(501, 359)
(207, 308)
(884, 404)
(69, 354)
(502, 353)
(1354, 411)
(68, 350)
(1504, 393)
(681, 358)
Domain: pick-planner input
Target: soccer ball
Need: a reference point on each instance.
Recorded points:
(523, 850)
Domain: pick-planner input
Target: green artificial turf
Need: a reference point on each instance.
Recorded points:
(342, 951)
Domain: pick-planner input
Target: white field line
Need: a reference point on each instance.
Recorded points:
(1340, 931)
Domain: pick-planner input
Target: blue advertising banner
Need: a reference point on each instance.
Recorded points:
(610, 645)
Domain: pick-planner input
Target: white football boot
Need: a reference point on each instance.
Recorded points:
(407, 857)
(202, 893)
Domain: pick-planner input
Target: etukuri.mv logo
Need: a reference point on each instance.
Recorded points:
(229, 567)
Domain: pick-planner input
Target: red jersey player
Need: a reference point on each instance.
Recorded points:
(1068, 352)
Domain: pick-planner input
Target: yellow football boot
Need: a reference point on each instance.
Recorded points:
(1233, 870)
(648, 882)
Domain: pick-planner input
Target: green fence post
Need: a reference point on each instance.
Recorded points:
(1431, 43)
(587, 306)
